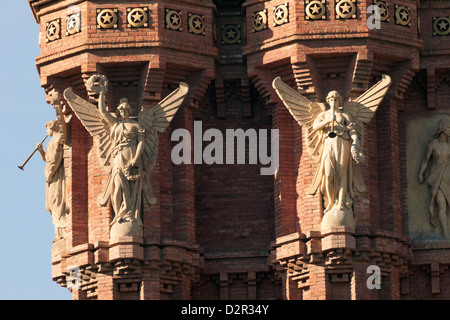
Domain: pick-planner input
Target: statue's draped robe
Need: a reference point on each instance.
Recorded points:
(439, 178)
(55, 188)
(336, 187)
(125, 195)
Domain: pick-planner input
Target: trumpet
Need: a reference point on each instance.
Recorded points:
(332, 134)
(31, 155)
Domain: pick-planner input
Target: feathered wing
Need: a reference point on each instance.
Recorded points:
(92, 120)
(362, 111)
(157, 119)
(304, 112)
(364, 107)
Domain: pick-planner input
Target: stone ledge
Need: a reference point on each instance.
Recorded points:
(337, 230)
(338, 241)
(126, 240)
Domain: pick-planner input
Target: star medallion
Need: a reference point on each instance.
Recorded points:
(259, 21)
(346, 9)
(196, 24)
(441, 26)
(280, 14)
(173, 20)
(106, 18)
(315, 10)
(137, 17)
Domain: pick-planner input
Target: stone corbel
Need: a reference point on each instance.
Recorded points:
(223, 284)
(431, 88)
(198, 82)
(54, 96)
(220, 98)
(151, 83)
(435, 270)
(127, 268)
(262, 80)
(307, 78)
(402, 74)
(126, 248)
(338, 238)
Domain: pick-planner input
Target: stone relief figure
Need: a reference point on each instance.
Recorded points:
(55, 194)
(334, 139)
(438, 158)
(127, 148)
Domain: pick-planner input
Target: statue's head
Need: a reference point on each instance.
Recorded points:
(124, 110)
(335, 98)
(51, 126)
(443, 127)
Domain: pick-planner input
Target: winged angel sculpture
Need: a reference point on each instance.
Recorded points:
(334, 139)
(127, 148)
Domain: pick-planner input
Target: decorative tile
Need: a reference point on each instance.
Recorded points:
(315, 10)
(173, 19)
(107, 18)
(73, 23)
(231, 34)
(402, 16)
(384, 10)
(345, 9)
(259, 20)
(280, 14)
(53, 31)
(137, 17)
(196, 23)
(441, 26)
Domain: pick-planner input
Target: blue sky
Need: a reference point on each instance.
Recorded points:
(26, 230)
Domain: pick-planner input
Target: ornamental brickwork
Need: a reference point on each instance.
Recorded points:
(224, 231)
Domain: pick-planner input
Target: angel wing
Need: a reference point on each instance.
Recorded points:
(92, 120)
(60, 116)
(304, 112)
(157, 119)
(364, 107)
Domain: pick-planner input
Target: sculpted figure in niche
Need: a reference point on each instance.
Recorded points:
(127, 148)
(55, 196)
(334, 139)
(438, 157)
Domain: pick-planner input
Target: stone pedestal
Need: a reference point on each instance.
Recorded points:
(337, 217)
(338, 238)
(126, 229)
(126, 248)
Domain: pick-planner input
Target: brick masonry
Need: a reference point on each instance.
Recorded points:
(225, 231)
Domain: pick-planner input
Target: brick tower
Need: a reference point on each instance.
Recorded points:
(224, 231)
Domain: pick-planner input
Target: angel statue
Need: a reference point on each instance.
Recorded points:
(55, 190)
(127, 148)
(334, 140)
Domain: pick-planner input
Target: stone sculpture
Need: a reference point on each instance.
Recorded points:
(334, 139)
(127, 148)
(438, 157)
(55, 191)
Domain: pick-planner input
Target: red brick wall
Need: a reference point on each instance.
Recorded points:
(210, 233)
